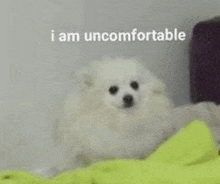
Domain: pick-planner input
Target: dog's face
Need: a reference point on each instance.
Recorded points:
(122, 84)
(123, 94)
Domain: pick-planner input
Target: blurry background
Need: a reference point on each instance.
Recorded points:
(35, 73)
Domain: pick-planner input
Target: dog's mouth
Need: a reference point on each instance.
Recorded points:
(128, 105)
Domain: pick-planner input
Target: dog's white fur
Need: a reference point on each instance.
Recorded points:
(97, 125)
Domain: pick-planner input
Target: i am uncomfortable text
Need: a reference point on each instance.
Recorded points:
(133, 35)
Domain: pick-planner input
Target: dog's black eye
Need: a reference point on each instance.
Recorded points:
(134, 85)
(113, 90)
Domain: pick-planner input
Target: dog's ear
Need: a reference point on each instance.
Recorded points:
(158, 87)
(85, 78)
(88, 80)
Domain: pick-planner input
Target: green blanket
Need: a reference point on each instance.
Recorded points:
(189, 157)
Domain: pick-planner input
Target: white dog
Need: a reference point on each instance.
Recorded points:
(121, 112)
(115, 115)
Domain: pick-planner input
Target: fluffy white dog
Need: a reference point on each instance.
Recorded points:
(122, 112)
(116, 114)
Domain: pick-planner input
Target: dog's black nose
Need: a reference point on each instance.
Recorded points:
(128, 99)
